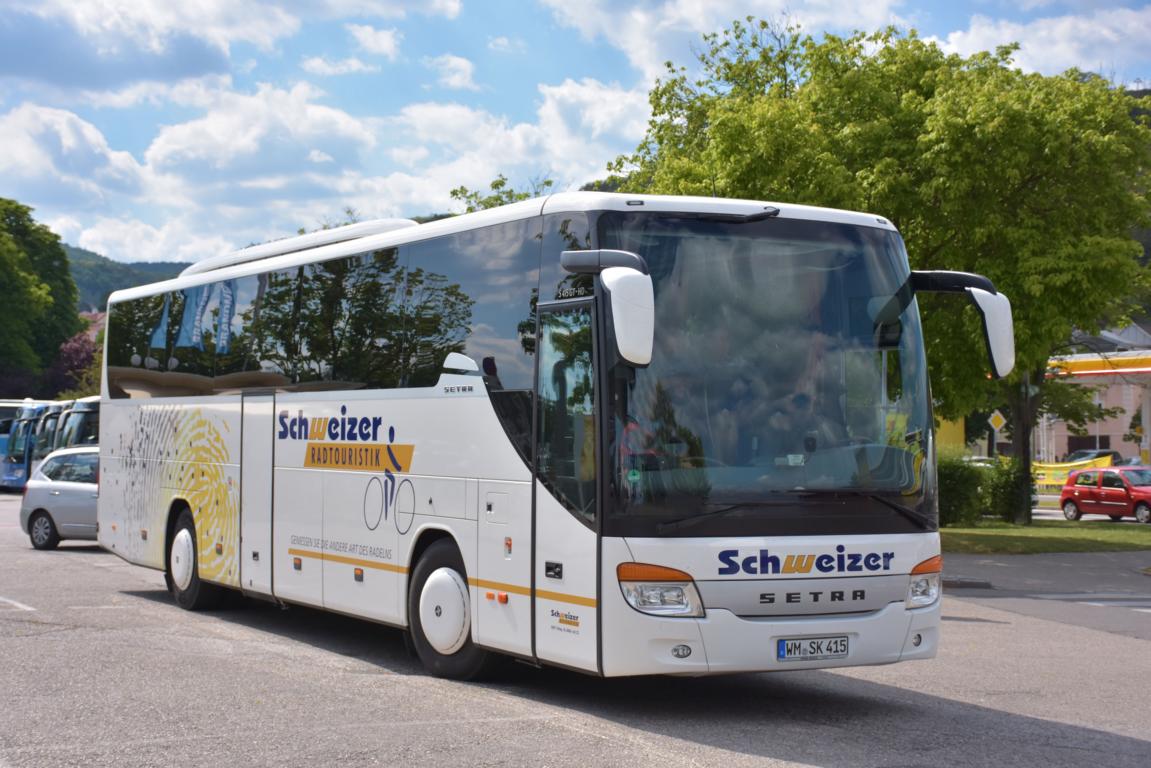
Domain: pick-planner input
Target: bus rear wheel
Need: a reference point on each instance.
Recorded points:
(183, 575)
(439, 615)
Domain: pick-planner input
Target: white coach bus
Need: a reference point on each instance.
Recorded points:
(619, 434)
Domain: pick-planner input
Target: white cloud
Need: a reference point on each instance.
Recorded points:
(271, 127)
(447, 8)
(579, 126)
(192, 92)
(152, 23)
(409, 157)
(318, 65)
(1106, 41)
(67, 228)
(316, 156)
(45, 148)
(383, 42)
(594, 109)
(587, 123)
(454, 72)
(114, 25)
(394, 9)
(134, 240)
(506, 45)
(651, 33)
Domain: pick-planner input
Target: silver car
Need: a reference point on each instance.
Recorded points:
(60, 497)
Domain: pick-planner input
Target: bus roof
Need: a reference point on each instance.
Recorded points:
(249, 261)
(299, 243)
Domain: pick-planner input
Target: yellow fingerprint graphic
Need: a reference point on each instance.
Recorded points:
(201, 455)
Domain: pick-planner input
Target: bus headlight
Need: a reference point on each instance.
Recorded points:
(659, 591)
(923, 590)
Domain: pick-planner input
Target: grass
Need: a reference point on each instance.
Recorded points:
(1042, 536)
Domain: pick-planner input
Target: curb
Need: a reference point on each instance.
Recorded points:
(963, 582)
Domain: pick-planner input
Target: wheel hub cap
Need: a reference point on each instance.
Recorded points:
(183, 559)
(40, 530)
(444, 612)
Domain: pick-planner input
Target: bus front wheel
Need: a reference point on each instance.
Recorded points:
(439, 615)
(183, 575)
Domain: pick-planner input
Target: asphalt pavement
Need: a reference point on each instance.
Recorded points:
(1104, 591)
(98, 667)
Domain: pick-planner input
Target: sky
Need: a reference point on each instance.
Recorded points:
(152, 130)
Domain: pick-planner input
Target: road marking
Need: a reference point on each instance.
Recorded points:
(17, 606)
(1129, 600)
(1118, 603)
(1094, 596)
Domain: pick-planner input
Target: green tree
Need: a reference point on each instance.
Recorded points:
(26, 299)
(1037, 182)
(499, 194)
(45, 258)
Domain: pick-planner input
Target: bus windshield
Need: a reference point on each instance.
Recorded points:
(81, 427)
(787, 392)
(18, 440)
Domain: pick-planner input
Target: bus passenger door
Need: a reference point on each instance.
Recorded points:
(256, 449)
(566, 489)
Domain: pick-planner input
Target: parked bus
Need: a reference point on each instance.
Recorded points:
(618, 434)
(8, 411)
(47, 429)
(79, 424)
(17, 462)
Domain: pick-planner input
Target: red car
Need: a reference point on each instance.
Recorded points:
(1117, 492)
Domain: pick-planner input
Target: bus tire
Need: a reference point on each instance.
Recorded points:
(183, 574)
(42, 531)
(439, 615)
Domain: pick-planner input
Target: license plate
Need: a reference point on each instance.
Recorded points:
(811, 648)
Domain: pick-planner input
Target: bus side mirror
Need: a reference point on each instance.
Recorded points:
(993, 306)
(631, 308)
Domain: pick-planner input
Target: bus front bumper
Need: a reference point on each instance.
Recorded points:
(723, 643)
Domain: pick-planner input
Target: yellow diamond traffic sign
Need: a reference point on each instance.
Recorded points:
(997, 421)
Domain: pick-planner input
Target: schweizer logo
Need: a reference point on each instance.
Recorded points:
(346, 442)
(763, 563)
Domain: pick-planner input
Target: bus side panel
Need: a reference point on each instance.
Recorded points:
(361, 573)
(152, 455)
(361, 475)
(565, 582)
(298, 535)
(504, 555)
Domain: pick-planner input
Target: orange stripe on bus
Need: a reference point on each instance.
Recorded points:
(543, 594)
(559, 597)
(499, 586)
(515, 589)
(348, 560)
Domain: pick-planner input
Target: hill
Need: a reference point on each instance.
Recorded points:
(97, 276)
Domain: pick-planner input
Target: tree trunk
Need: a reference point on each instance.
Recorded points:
(1023, 399)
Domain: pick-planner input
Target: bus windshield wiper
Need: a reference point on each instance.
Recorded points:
(921, 520)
